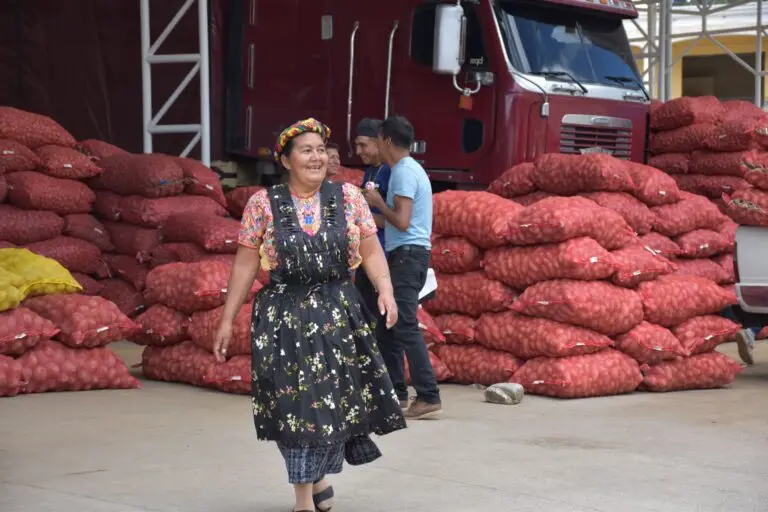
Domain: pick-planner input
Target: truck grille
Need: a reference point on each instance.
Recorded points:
(612, 135)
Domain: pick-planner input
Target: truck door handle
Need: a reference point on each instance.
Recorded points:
(352, 43)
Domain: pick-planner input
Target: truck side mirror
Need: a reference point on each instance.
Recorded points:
(450, 37)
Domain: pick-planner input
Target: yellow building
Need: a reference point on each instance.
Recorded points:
(720, 61)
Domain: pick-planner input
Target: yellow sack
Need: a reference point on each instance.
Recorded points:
(39, 275)
(10, 296)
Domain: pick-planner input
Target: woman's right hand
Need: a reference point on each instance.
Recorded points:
(222, 340)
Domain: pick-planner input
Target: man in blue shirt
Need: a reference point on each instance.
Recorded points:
(407, 213)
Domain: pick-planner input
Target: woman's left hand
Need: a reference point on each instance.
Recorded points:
(388, 309)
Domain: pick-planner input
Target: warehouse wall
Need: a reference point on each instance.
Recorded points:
(79, 61)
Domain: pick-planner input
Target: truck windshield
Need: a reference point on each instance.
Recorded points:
(589, 47)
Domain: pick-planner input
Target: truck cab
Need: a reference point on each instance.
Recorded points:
(487, 84)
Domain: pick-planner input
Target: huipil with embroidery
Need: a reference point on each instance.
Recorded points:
(318, 377)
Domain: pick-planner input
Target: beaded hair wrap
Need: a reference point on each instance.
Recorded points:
(310, 125)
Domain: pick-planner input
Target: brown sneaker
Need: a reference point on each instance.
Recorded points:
(421, 410)
(746, 342)
(405, 404)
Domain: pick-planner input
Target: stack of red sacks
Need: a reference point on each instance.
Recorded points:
(541, 294)
(719, 150)
(47, 202)
(179, 328)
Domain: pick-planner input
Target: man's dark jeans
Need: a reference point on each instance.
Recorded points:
(408, 269)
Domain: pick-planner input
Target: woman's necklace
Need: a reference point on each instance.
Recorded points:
(307, 208)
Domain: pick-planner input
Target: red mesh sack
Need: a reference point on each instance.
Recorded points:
(428, 326)
(238, 198)
(558, 219)
(481, 217)
(477, 365)
(89, 284)
(527, 337)
(201, 181)
(32, 130)
(141, 175)
(173, 252)
(107, 205)
(442, 372)
(11, 376)
(51, 366)
(571, 174)
(347, 175)
(36, 191)
(736, 134)
(637, 214)
(132, 240)
(3, 188)
(728, 230)
(693, 212)
(455, 255)
(755, 168)
(703, 371)
(671, 163)
(652, 186)
(25, 227)
(702, 243)
(748, 207)
(671, 300)
(184, 362)
(84, 321)
(703, 334)
(74, 254)
(7, 245)
(129, 300)
(661, 245)
(99, 149)
(16, 157)
(763, 334)
(86, 227)
(471, 294)
(637, 263)
(740, 109)
(533, 198)
(213, 233)
(514, 182)
(649, 343)
(702, 267)
(681, 140)
(605, 373)
(710, 186)
(596, 305)
(717, 164)
(457, 329)
(22, 329)
(151, 213)
(578, 258)
(685, 111)
(204, 324)
(66, 163)
(161, 326)
(234, 376)
(726, 262)
(127, 268)
(190, 287)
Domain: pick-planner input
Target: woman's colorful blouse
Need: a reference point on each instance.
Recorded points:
(258, 228)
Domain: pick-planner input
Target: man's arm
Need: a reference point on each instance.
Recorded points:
(400, 215)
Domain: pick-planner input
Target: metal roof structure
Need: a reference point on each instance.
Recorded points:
(663, 23)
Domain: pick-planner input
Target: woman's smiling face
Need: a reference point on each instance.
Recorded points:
(307, 161)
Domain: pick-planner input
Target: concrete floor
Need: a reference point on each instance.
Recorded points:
(175, 448)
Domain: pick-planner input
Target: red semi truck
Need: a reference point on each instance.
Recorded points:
(487, 84)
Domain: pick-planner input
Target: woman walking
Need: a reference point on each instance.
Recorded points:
(319, 384)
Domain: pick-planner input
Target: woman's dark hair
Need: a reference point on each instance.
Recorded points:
(399, 130)
(332, 145)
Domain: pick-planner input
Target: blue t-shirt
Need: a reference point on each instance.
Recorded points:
(380, 176)
(411, 181)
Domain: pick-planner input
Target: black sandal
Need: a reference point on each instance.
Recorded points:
(322, 496)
